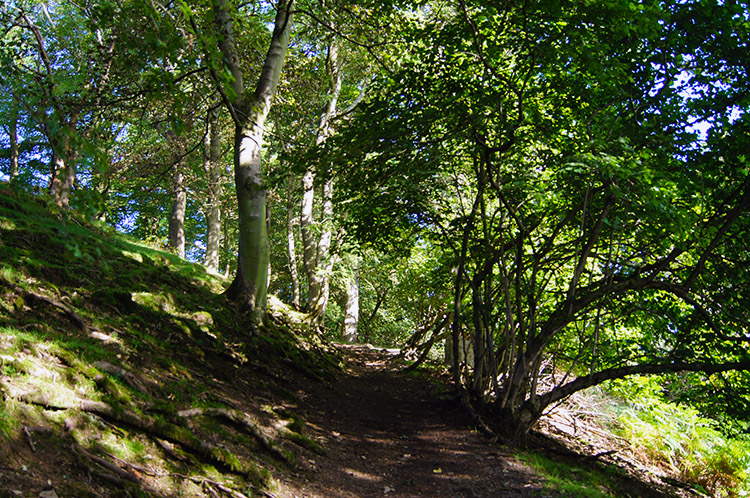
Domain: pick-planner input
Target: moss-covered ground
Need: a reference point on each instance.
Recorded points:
(125, 372)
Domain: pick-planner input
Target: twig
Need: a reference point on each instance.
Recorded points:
(600, 455)
(134, 466)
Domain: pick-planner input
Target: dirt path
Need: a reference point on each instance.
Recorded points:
(390, 434)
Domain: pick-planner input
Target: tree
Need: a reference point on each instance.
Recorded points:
(79, 74)
(213, 169)
(550, 147)
(326, 79)
(249, 112)
(351, 309)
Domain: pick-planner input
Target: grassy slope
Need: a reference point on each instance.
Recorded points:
(104, 343)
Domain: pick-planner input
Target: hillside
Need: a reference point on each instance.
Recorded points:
(124, 372)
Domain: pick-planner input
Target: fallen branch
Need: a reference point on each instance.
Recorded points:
(28, 439)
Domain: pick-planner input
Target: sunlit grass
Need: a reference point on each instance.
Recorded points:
(572, 480)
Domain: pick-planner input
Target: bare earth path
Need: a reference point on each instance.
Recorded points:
(390, 434)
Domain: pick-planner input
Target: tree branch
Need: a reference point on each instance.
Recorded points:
(620, 372)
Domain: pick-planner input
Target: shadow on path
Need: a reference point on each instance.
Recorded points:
(391, 434)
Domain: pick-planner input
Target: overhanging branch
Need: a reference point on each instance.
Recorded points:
(594, 379)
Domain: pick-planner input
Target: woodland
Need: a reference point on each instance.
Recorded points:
(537, 197)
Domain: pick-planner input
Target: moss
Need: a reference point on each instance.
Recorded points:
(155, 302)
(9, 423)
(147, 312)
(260, 476)
(303, 441)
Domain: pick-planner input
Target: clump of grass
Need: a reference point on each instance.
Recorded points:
(678, 438)
(570, 479)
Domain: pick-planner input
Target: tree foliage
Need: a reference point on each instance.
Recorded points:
(563, 185)
(554, 149)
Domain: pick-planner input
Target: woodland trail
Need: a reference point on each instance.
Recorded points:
(389, 434)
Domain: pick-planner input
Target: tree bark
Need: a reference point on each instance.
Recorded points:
(63, 167)
(351, 316)
(318, 264)
(529, 412)
(250, 285)
(214, 173)
(291, 245)
(177, 215)
(13, 134)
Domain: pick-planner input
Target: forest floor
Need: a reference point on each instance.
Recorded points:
(396, 435)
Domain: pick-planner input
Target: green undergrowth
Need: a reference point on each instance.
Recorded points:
(681, 441)
(105, 342)
(572, 479)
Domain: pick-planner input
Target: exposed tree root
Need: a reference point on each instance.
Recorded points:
(155, 427)
(31, 297)
(210, 483)
(243, 420)
(465, 402)
(131, 379)
(121, 473)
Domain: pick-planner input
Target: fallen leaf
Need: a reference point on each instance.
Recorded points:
(437, 471)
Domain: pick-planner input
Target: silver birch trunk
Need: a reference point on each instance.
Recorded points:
(249, 113)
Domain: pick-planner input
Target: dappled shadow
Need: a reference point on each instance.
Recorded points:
(123, 371)
(392, 435)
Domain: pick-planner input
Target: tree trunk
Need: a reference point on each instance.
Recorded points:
(318, 264)
(291, 245)
(351, 316)
(177, 215)
(213, 168)
(250, 285)
(63, 169)
(13, 133)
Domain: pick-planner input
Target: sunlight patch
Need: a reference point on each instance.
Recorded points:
(362, 475)
(133, 255)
